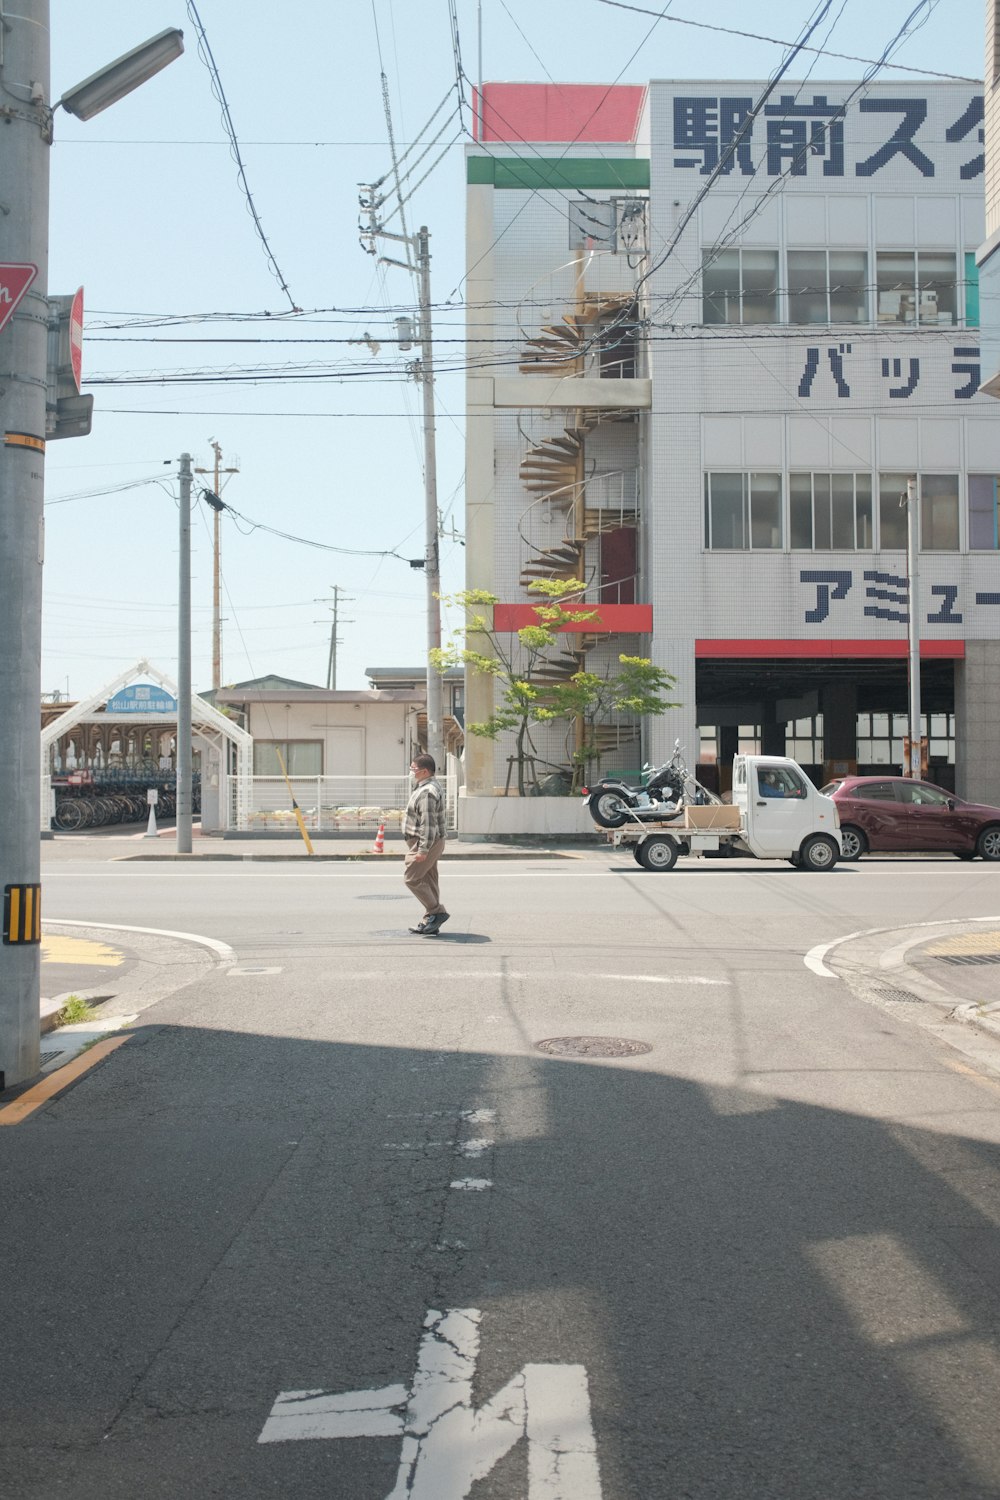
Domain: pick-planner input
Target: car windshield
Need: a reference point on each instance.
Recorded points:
(830, 788)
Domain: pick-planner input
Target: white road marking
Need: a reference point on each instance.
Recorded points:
(572, 872)
(447, 1444)
(471, 1184)
(478, 1116)
(662, 978)
(474, 1148)
(222, 951)
(892, 958)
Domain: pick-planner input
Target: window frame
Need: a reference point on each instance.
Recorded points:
(914, 253)
(285, 746)
(747, 519)
(826, 251)
(831, 475)
(740, 251)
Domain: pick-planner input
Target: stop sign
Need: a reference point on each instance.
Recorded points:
(76, 337)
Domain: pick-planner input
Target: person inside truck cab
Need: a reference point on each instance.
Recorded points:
(768, 784)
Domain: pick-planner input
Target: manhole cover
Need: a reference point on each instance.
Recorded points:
(968, 958)
(592, 1046)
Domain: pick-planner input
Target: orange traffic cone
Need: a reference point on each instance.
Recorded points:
(379, 845)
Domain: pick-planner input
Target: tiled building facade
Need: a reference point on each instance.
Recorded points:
(714, 333)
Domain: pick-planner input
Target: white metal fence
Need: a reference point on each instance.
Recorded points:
(329, 804)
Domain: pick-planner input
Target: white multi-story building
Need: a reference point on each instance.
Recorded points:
(713, 332)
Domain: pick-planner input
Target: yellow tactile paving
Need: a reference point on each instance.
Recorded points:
(965, 942)
(75, 950)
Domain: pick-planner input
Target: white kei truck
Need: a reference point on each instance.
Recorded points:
(776, 813)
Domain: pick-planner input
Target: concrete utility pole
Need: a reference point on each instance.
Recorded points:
(215, 501)
(184, 665)
(338, 598)
(911, 502)
(432, 567)
(26, 127)
(24, 239)
(422, 371)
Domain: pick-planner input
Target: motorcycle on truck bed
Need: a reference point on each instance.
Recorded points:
(776, 813)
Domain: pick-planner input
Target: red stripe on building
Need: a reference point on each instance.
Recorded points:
(568, 112)
(823, 650)
(609, 619)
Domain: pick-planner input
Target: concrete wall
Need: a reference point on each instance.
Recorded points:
(977, 707)
(528, 817)
(364, 739)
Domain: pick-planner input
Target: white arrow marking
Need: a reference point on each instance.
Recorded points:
(447, 1444)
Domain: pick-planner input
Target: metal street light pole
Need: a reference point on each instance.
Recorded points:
(914, 768)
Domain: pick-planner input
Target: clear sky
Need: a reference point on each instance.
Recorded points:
(148, 214)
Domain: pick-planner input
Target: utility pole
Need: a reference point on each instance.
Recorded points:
(914, 768)
(184, 756)
(27, 114)
(24, 238)
(215, 501)
(338, 598)
(422, 371)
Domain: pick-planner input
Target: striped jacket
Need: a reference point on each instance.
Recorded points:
(424, 820)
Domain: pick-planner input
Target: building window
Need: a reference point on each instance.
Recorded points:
(880, 739)
(830, 512)
(742, 512)
(939, 512)
(916, 287)
(804, 740)
(971, 290)
(827, 286)
(301, 757)
(740, 286)
(984, 513)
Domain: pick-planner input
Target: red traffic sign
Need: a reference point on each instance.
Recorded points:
(76, 337)
(14, 282)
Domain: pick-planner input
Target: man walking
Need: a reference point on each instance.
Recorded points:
(423, 830)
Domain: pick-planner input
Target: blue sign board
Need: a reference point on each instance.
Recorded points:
(141, 698)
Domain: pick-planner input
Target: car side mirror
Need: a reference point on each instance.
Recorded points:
(951, 804)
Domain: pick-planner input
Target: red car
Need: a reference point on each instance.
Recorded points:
(895, 813)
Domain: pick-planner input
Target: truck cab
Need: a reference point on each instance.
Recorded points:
(782, 815)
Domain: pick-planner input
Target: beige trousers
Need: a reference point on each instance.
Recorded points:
(421, 875)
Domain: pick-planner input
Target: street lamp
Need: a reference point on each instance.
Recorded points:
(24, 247)
(128, 72)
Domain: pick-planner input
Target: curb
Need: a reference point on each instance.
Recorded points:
(337, 858)
(979, 1017)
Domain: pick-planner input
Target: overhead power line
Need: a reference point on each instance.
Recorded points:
(754, 36)
(206, 55)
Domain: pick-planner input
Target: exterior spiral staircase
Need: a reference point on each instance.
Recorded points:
(554, 472)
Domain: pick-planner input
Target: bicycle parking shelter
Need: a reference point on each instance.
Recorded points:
(141, 700)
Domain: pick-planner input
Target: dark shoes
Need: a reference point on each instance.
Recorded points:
(420, 926)
(431, 926)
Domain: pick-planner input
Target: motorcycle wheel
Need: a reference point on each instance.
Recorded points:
(607, 809)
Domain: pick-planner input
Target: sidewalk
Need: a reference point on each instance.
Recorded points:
(965, 964)
(114, 844)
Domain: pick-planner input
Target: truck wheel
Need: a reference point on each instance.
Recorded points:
(637, 853)
(657, 853)
(853, 841)
(607, 809)
(818, 853)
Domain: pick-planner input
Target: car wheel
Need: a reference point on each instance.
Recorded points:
(820, 853)
(853, 842)
(657, 853)
(988, 843)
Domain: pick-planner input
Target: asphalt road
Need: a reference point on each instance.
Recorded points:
(757, 1260)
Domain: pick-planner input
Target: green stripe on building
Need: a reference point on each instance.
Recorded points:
(557, 173)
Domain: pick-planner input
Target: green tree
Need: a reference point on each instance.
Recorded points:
(515, 661)
(590, 699)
